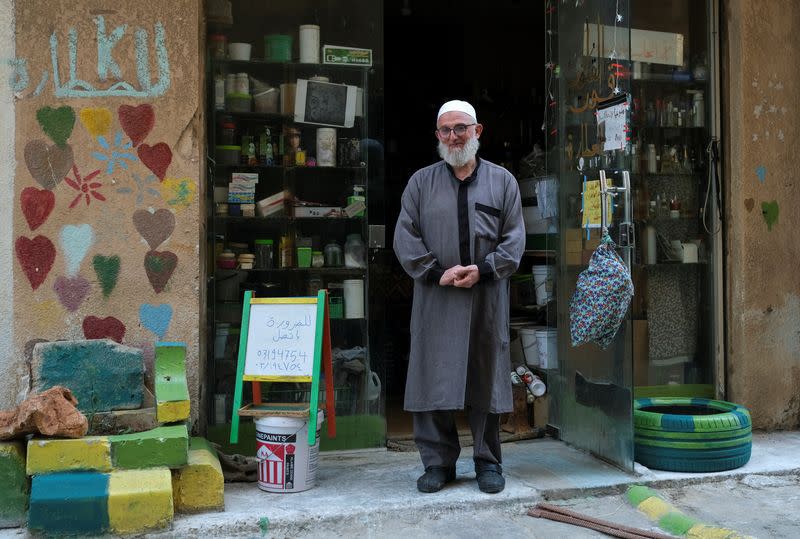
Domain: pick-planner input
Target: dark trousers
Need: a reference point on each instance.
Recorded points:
(437, 438)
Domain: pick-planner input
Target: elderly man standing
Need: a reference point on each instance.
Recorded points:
(460, 236)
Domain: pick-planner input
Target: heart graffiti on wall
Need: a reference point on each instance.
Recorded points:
(137, 122)
(154, 227)
(71, 291)
(56, 123)
(159, 266)
(48, 164)
(103, 328)
(157, 158)
(36, 257)
(36, 205)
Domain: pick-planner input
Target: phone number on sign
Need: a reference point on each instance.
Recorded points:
(281, 359)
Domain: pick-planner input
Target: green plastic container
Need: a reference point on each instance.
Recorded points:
(336, 307)
(304, 257)
(278, 48)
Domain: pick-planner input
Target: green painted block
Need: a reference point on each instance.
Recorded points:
(639, 493)
(171, 388)
(165, 446)
(676, 523)
(14, 486)
(101, 374)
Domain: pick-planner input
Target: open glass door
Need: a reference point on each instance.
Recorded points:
(591, 390)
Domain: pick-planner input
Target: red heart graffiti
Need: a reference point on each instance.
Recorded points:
(136, 121)
(36, 257)
(157, 158)
(159, 266)
(36, 205)
(103, 328)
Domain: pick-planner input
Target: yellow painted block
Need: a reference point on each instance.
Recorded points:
(701, 531)
(655, 508)
(172, 411)
(139, 500)
(574, 234)
(200, 485)
(60, 455)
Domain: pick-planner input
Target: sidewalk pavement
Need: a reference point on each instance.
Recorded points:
(361, 488)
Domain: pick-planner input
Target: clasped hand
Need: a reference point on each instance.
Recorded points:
(460, 276)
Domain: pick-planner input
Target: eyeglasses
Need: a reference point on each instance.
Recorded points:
(459, 130)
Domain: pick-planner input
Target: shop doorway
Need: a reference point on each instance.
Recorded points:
(489, 53)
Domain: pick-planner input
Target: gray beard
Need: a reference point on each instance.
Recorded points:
(459, 158)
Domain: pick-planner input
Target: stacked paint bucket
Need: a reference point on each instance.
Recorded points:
(286, 462)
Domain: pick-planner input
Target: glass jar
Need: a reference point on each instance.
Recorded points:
(333, 254)
(317, 259)
(286, 252)
(216, 46)
(314, 286)
(227, 135)
(355, 255)
(264, 254)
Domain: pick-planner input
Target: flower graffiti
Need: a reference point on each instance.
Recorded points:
(84, 186)
(118, 154)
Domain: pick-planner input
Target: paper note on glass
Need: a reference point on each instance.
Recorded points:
(611, 126)
(592, 217)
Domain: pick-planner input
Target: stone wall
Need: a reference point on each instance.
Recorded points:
(761, 130)
(107, 192)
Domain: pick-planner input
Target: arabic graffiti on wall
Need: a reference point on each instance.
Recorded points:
(107, 66)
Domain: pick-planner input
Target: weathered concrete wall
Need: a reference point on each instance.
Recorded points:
(761, 120)
(107, 198)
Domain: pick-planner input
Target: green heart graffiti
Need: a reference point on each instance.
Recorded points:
(107, 270)
(770, 212)
(56, 123)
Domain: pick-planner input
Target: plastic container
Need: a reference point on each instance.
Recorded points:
(238, 102)
(264, 254)
(317, 259)
(355, 255)
(221, 339)
(530, 350)
(266, 101)
(333, 255)
(543, 282)
(304, 257)
(228, 155)
(287, 97)
(309, 44)
(278, 48)
(286, 463)
(227, 133)
(547, 344)
(240, 51)
(326, 147)
(354, 298)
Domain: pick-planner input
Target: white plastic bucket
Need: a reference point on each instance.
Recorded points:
(547, 344)
(239, 51)
(530, 350)
(286, 463)
(543, 281)
(354, 298)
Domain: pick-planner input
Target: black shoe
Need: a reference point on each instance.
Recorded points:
(490, 477)
(435, 478)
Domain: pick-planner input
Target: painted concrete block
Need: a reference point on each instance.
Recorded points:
(122, 421)
(172, 391)
(139, 500)
(164, 446)
(14, 486)
(102, 374)
(71, 503)
(50, 455)
(199, 486)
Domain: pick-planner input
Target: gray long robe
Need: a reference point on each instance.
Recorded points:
(460, 336)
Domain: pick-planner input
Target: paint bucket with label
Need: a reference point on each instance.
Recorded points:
(354, 298)
(286, 463)
(530, 349)
(543, 281)
(547, 343)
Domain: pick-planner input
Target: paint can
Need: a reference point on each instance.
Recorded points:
(286, 463)
(354, 298)
(547, 343)
(544, 281)
(530, 350)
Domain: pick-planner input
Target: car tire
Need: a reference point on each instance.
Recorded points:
(691, 434)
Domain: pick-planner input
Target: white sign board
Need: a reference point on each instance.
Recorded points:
(645, 45)
(611, 123)
(280, 340)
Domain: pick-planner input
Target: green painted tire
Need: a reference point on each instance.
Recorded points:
(691, 435)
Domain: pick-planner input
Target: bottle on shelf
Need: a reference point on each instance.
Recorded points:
(355, 255)
(333, 254)
(652, 159)
(266, 156)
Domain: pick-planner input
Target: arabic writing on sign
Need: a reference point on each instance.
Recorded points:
(281, 339)
(592, 215)
(614, 126)
(107, 67)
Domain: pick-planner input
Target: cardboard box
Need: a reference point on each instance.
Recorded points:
(541, 411)
(641, 352)
(574, 259)
(574, 246)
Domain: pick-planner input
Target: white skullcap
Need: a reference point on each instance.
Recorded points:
(457, 106)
